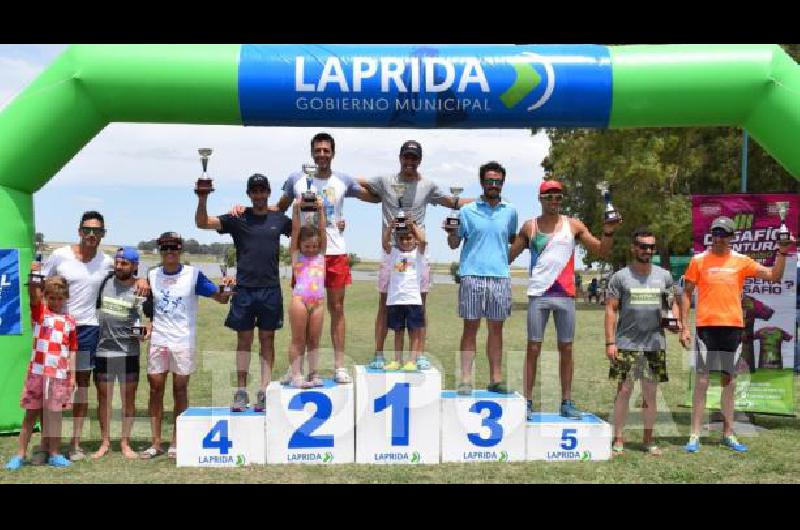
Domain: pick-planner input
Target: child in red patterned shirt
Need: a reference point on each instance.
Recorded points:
(51, 373)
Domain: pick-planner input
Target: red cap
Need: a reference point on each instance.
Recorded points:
(548, 185)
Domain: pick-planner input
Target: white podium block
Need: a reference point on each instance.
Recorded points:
(483, 427)
(310, 426)
(397, 416)
(217, 437)
(554, 438)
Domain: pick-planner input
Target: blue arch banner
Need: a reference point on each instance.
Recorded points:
(501, 86)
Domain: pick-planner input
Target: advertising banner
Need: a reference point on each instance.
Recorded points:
(10, 315)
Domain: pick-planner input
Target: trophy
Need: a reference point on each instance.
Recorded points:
(452, 221)
(138, 330)
(308, 200)
(610, 215)
(204, 185)
(223, 269)
(37, 278)
(668, 319)
(783, 231)
(400, 220)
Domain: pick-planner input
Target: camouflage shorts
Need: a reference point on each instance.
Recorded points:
(655, 370)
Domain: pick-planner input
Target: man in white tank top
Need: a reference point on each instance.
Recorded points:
(551, 240)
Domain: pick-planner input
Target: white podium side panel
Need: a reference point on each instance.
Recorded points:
(217, 437)
(554, 438)
(311, 426)
(398, 416)
(485, 426)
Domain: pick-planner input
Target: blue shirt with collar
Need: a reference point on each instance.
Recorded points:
(486, 231)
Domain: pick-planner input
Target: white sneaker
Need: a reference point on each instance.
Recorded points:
(286, 380)
(342, 377)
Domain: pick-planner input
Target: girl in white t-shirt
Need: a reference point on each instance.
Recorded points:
(404, 298)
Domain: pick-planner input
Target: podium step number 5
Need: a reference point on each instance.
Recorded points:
(397, 398)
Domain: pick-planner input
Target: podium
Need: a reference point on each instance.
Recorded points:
(483, 427)
(397, 416)
(217, 437)
(310, 426)
(553, 437)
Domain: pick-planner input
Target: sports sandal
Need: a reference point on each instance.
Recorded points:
(617, 449)
(342, 377)
(500, 387)
(76, 454)
(314, 380)
(150, 453)
(172, 452)
(464, 389)
(299, 382)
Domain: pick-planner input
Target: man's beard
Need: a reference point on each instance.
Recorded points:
(647, 259)
(123, 276)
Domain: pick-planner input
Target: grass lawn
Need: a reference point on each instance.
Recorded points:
(774, 454)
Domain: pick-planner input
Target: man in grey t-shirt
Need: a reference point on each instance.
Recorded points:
(418, 193)
(119, 312)
(635, 342)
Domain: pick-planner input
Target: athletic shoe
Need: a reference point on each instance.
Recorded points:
(570, 410)
(530, 412)
(240, 401)
(464, 389)
(15, 462)
(423, 363)
(500, 388)
(410, 367)
(394, 365)
(341, 377)
(58, 461)
(286, 380)
(378, 362)
(732, 443)
(261, 401)
(694, 444)
(76, 454)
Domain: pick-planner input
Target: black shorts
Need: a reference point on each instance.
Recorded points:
(256, 306)
(717, 349)
(123, 369)
(400, 317)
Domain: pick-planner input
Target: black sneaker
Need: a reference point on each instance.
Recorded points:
(261, 401)
(240, 401)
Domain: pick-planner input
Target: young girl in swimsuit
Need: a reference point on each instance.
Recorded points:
(307, 310)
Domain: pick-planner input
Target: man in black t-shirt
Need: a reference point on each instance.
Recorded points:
(258, 301)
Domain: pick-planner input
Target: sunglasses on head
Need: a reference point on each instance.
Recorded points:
(86, 230)
(646, 246)
(552, 196)
(721, 232)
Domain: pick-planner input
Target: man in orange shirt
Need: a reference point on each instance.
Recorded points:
(719, 274)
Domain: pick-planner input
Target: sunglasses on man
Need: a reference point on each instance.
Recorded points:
(86, 230)
(493, 182)
(167, 248)
(721, 232)
(646, 246)
(551, 196)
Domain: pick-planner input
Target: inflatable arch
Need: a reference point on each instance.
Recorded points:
(756, 87)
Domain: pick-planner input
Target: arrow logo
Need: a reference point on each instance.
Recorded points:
(415, 458)
(327, 458)
(586, 455)
(503, 456)
(527, 79)
(240, 461)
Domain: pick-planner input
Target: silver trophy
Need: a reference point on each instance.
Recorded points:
(138, 330)
(37, 278)
(452, 221)
(668, 319)
(223, 269)
(308, 200)
(610, 214)
(204, 184)
(400, 221)
(783, 231)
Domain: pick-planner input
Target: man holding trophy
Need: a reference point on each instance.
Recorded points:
(258, 301)
(404, 195)
(639, 306)
(551, 239)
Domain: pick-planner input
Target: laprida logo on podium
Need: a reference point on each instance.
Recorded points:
(399, 456)
(311, 456)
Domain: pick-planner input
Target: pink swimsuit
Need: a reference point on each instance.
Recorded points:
(309, 274)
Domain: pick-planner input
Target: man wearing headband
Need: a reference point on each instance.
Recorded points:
(119, 311)
(173, 341)
(551, 239)
(719, 274)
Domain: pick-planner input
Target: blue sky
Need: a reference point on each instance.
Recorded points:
(140, 176)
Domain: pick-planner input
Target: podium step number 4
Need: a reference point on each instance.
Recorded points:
(217, 437)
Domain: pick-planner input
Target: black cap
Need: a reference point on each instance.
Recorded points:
(411, 147)
(256, 180)
(170, 238)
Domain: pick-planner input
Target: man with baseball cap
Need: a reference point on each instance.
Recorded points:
(551, 239)
(258, 302)
(719, 274)
(419, 192)
(119, 313)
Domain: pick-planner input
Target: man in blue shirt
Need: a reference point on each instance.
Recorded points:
(258, 301)
(487, 227)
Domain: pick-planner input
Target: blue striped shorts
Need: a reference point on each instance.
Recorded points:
(484, 297)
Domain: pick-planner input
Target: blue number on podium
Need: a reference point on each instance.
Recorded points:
(223, 444)
(397, 398)
(302, 439)
(568, 439)
(495, 429)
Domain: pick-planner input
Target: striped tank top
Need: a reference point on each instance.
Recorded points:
(552, 268)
